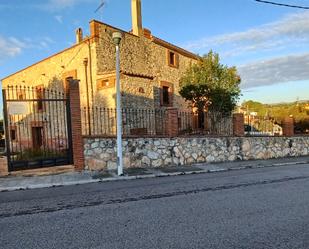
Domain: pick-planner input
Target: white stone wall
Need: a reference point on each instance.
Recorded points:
(160, 152)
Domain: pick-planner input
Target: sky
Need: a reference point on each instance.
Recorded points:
(268, 44)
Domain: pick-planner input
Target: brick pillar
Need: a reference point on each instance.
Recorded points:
(238, 124)
(288, 127)
(3, 166)
(171, 122)
(76, 126)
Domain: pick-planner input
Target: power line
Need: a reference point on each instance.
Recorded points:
(100, 6)
(283, 5)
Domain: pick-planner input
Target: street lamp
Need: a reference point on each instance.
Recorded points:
(117, 39)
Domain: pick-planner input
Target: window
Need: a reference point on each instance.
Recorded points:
(37, 137)
(141, 90)
(106, 83)
(172, 59)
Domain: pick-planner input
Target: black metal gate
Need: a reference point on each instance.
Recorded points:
(37, 127)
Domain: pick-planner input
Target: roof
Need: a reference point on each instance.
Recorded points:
(175, 48)
(154, 39)
(47, 58)
(147, 34)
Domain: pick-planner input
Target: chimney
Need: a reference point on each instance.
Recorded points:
(79, 35)
(137, 17)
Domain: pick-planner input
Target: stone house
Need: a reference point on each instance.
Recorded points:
(150, 68)
(148, 65)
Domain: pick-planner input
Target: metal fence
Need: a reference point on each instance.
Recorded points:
(100, 121)
(301, 127)
(262, 126)
(206, 123)
(37, 127)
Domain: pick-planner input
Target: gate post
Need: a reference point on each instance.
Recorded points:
(74, 123)
(4, 166)
(288, 126)
(6, 131)
(171, 122)
(238, 125)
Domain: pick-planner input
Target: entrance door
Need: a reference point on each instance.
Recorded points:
(37, 137)
(201, 120)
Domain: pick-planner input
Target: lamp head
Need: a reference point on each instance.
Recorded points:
(116, 37)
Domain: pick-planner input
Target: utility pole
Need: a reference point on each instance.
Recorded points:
(117, 39)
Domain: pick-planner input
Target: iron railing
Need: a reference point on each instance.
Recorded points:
(206, 123)
(262, 126)
(37, 127)
(101, 121)
(301, 127)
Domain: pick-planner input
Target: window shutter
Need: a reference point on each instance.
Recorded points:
(177, 60)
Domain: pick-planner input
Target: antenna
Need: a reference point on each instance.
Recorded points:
(100, 7)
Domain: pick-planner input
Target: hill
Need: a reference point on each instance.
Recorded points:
(299, 110)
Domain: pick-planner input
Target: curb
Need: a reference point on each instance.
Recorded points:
(129, 178)
(48, 185)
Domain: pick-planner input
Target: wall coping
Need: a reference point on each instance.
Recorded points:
(205, 136)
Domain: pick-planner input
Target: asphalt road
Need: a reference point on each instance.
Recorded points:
(257, 208)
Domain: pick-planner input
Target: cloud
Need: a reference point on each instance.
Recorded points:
(275, 71)
(48, 39)
(46, 5)
(292, 28)
(58, 5)
(58, 19)
(10, 47)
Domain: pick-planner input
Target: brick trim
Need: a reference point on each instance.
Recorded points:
(66, 75)
(171, 122)
(238, 124)
(288, 127)
(176, 58)
(76, 125)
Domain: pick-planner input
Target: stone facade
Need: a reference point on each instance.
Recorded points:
(158, 152)
(144, 65)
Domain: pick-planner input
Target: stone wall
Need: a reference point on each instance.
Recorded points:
(100, 153)
(137, 92)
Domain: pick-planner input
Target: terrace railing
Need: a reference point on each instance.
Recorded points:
(207, 123)
(100, 121)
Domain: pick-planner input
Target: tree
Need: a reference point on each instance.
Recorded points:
(210, 85)
(1, 127)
